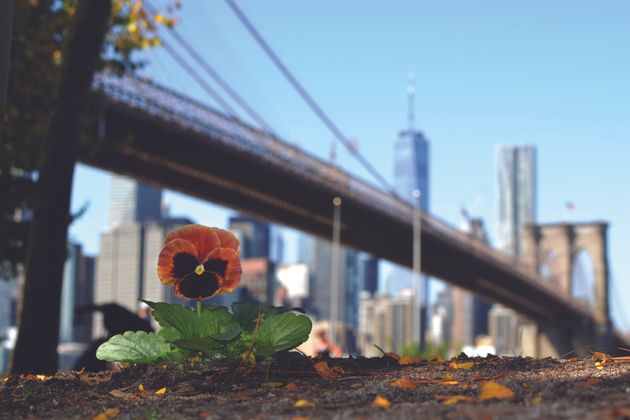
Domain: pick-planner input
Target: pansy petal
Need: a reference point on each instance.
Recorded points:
(177, 259)
(229, 258)
(228, 240)
(198, 286)
(204, 238)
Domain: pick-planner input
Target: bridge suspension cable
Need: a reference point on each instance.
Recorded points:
(216, 77)
(309, 100)
(181, 61)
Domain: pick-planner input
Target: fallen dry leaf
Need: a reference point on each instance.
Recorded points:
(393, 355)
(291, 386)
(490, 378)
(122, 394)
(589, 383)
(447, 382)
(110, 413)
(160, 391)
(141, 388)
(381, 402)
(460, 365)
(601, 356)
(621, 412)
(599, 365)
(273, 384)
(454, 399)
(435, 358)
(303, 404)
(404, 384)
(491, 389)
(299, 418)
(410, 360)
(327, 372)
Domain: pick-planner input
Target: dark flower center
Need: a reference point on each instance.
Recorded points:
(198, 286)
(184, 264)
(216, 266)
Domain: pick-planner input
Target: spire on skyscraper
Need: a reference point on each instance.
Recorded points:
(411, 99)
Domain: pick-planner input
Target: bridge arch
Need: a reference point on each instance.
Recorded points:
(559, 251)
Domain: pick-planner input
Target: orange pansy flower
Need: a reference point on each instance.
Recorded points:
(200, 261)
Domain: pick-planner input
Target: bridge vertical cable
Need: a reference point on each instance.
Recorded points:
(309, 100)
(210, 71)
(200, 80)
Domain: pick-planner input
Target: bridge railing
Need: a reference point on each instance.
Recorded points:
(189, 114)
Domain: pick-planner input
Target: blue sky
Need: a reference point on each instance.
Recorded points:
(552, 74)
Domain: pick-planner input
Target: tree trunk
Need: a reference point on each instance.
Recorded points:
(36, 347)
(6, 29)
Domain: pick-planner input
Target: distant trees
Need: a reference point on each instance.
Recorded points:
(50, 76)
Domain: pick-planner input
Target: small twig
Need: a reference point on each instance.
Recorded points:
(305, 355)
(623, 349)
(251, 348)
(582, 348)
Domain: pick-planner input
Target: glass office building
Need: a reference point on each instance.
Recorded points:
(132, 201)
(516, 176)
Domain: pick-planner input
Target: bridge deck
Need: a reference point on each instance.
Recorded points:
(164, 138)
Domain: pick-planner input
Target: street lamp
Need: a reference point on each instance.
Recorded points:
(335, 289)
(418, 333)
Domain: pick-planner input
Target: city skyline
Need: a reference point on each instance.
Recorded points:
(574, 133)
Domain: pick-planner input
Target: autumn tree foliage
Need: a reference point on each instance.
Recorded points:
(51, 73)
(41, 29)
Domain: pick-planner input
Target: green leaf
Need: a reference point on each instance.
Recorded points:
(247, 313)
(207, 345)
(212, 320)
(169, 334)
(281, 332)
(135, 347)
(227, 336)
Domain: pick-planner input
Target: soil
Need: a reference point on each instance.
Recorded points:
(219, 389)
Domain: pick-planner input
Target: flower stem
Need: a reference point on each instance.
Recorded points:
(198, 308)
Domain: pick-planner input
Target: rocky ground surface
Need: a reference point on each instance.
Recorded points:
(298, 387)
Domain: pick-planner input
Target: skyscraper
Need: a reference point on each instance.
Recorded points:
(516, 176)
(411, 166)
(132, 201)
(126, 265)
(317, 254)
(254, 235)
(470, 313)
(385, 321)
(77, 291)
(411, 175)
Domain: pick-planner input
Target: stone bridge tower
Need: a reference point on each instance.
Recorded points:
(553, 248)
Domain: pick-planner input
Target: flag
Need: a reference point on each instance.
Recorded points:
(570, 206)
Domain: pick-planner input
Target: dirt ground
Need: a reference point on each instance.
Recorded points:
(218, 390)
